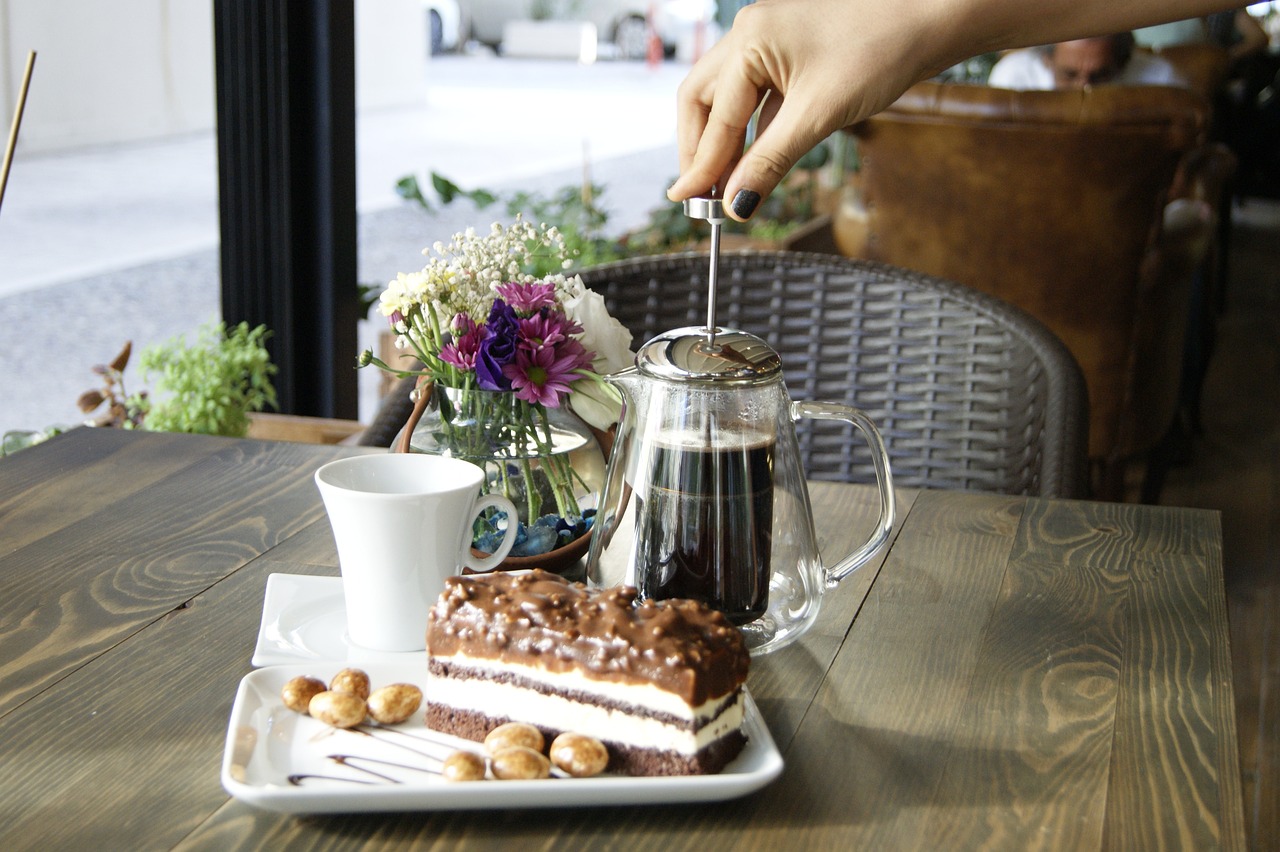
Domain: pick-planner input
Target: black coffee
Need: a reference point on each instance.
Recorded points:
(704, 527)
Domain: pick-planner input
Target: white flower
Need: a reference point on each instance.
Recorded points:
(602, 333)
(595, 402)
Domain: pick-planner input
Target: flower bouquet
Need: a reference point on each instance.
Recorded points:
(508, 349)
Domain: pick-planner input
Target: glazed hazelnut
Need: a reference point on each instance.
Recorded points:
(513, 734)
(579, 755)
(352, 681)
(339, 709)
(297, 692)
(519, 763)
(463, 766)
(391, 705)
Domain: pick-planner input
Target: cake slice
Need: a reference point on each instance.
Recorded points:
(660, 683)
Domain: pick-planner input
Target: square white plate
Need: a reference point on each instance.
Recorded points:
(268, 744)
(304, 618)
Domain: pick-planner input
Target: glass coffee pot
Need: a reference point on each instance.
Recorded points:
(705, 495)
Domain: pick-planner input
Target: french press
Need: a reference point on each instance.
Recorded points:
(705, 495)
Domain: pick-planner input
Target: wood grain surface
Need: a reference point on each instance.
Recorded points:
(1009, 673)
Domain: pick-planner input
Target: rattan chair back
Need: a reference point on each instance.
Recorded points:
(969, 392)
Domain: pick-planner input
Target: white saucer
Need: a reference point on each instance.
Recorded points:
(304, 619)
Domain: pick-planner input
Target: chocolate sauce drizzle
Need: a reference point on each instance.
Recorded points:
(363, 763)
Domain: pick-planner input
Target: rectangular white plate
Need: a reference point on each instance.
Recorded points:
(267, 743)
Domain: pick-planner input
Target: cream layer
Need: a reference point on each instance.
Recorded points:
(644, 695)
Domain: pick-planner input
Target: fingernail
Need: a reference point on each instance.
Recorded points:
(744, 203)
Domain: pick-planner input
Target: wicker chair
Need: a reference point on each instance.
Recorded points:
(969, 392)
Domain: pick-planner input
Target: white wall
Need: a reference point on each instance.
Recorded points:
(127, 70)
(391, 53)
(108, 72)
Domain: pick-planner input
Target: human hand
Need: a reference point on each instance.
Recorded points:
(817, 66)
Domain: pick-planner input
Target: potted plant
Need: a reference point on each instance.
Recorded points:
(512, 351)
(213, 386)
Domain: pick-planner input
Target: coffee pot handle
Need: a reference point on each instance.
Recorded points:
(884, 479)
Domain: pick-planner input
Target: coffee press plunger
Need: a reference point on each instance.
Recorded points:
(710, 209)
(705, 495)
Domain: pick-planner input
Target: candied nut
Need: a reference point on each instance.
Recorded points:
(463, 766)
(297, 692)
(352, 681)
(391, 705)
(513, 734)
(519, 763)
(579, 755)
(339, 709)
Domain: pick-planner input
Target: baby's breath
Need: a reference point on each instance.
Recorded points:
(461, 277)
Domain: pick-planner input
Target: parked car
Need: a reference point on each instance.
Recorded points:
(622, 22)
(444, 25)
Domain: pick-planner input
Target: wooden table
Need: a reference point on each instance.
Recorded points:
(1014, 673)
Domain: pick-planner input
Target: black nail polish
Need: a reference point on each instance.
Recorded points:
(744, 203)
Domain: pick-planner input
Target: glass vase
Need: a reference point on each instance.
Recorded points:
(545, 460)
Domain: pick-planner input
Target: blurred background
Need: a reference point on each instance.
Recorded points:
(109, 226)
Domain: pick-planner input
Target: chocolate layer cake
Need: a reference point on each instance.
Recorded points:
(659, 683)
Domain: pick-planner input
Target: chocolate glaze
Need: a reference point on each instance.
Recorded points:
(542, 620)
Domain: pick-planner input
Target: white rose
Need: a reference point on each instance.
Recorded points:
(601, 332)
(595, 402)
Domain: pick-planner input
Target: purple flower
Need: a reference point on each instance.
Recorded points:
(498, 349)
(542, 375)
(528, 299)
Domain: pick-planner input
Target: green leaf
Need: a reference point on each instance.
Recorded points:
(445, 188)
(408, 189)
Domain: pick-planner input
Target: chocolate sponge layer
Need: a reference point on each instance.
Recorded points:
(623, 758)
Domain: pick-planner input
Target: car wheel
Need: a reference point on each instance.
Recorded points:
(435, 32)
(631, 36)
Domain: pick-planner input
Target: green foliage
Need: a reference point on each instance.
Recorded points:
(211, 386)
(20, 439)
(572, 209)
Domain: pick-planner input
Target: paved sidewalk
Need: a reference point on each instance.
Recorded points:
(119, 243)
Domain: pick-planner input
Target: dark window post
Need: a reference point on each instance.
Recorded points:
(285, 72)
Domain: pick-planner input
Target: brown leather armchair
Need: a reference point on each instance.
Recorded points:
(1060, 203)
(1204, 66)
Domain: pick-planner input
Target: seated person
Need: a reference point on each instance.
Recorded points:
(1082, 63)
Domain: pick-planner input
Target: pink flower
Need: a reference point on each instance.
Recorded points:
(546, 329)
(543, 375)
(461, 352)
(461, 324)
(528, 299)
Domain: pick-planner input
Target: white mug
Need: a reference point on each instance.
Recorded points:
(402, 523)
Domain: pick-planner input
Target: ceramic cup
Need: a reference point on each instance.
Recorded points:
(402, 523)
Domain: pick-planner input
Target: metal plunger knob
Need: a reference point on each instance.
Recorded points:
(712, 210)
